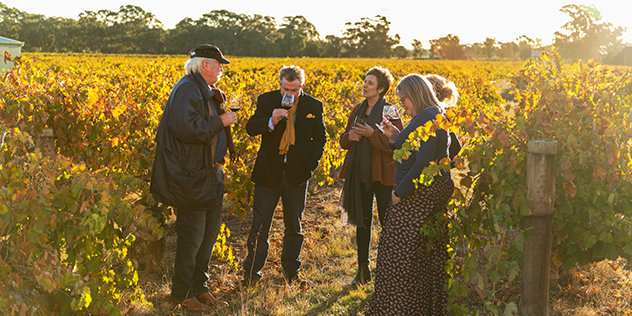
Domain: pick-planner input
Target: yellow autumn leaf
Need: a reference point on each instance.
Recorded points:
(120, 108)
(93, 96)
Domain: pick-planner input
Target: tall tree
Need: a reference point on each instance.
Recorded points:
(400, 52)
(129, 30)
(236, 34)
(448, 47)
(418, 49)
(258, 37)
(369, 38)
(585, 37)
(300, 25)
(509, 50)
(525, 46)
(474, 50)
(10, 21)
(297, 31)
(141, 30)
(334, 46)
(490, 47)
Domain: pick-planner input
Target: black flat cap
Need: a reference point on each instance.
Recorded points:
(209, 51)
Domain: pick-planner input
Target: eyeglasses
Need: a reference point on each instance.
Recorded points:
(401, 100)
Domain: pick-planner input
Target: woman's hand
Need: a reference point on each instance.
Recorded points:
(354, 136)
(394, 198)
(389, 129)
(363, 129)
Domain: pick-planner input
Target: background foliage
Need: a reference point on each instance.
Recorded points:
(79, 213)
(586, 108)
(134, 30)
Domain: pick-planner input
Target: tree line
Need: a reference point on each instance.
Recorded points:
(132, 30)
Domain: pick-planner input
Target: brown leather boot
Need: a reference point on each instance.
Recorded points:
(193, 305)
(208, 299)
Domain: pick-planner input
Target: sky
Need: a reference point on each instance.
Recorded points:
(471, 21)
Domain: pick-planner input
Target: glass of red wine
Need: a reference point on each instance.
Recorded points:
(391, 113)
(287, 102)
(235, 102)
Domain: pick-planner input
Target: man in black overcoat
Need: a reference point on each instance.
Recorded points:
(192, 139)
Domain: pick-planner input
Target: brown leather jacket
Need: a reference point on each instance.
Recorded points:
(382, 163)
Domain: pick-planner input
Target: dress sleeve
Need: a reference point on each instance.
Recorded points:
(423, 156)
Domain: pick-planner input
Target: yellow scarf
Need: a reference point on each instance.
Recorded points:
(288, 135)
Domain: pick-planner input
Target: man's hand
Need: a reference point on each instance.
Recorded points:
(228, 118)
(364, 129)
(277, 115)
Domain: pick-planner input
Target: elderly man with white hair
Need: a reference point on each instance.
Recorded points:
(192, 140)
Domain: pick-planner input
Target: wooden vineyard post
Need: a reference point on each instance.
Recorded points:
(47, 143)
(534, 296)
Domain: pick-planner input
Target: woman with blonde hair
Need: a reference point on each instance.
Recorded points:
(445, 90)
(410, 273)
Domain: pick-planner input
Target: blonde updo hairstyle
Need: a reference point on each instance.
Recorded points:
(419, 90)
(445, 90)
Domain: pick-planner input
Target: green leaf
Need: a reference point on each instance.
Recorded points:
(510, 309)
(513, 271)
(495, 276)
(481, 284)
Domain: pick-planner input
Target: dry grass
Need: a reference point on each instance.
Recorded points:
(603, 288)
(329, 265)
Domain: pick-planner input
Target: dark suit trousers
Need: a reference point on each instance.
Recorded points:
(265, 202)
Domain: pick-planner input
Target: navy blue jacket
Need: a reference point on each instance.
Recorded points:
(433, 149)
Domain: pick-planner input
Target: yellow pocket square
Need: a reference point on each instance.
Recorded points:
(310, 115)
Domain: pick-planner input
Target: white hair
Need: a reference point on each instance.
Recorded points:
(194, 65)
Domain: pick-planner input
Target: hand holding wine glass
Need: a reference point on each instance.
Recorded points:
(392, 113)
(287, 102)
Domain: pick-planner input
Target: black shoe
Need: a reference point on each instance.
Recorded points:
(363, 276)
(291, 278)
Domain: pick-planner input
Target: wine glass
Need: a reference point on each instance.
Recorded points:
(287, 102)
(234, 104)
(391, 113)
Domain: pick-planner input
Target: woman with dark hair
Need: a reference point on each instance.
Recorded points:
(410, 273)
(368, 168)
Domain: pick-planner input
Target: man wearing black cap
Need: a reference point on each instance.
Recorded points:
(192, 139)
